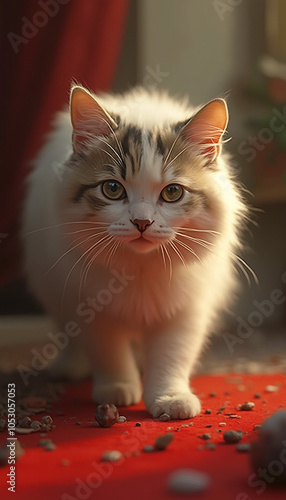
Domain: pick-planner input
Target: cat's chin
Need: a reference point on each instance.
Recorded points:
(142, 245)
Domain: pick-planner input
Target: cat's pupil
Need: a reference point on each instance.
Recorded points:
(113, 186)
(172, 191)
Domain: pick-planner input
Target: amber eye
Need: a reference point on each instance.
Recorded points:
(171, 193)
(113, 190)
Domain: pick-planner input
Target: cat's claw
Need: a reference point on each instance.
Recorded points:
(118, 393)
(181, 406)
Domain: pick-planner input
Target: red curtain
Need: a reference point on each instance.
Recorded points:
(45, 45)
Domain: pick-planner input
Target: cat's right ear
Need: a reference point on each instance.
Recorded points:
(89, 119)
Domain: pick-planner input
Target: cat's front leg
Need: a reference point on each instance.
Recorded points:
(116, 378)
(171, 352)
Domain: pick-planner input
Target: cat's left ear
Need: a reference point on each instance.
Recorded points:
(206, 128)
(89, 119)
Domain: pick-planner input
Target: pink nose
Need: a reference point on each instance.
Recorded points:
(142, 224)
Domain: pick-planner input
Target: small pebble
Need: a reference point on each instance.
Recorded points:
(148, 448)
(247, 406)
(35, 424)
(212, 394)
(164, 417)
(210, 446)
(25, 422)
(50, 446)
(162, 442)
(257, 426)
(111, 456)
(233, 415)
(188, 481)
(121, 419)
(222, 424)
(138, 424)
(271, 388)
(209, 425)
(47, 419)
(44, 442)
(205, 436)
(232, 437)
(257, 395)
(106, 415)
(243, 447)
(268, 451)
(208, 412)
(65, 462)
(185, 425)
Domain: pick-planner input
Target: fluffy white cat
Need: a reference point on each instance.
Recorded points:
(131, 223)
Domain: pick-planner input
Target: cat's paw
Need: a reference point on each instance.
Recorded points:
(180, 406)
(117, 393)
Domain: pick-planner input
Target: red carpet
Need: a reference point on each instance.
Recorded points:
(41, 475)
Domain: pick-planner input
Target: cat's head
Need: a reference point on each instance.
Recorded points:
(147, 188)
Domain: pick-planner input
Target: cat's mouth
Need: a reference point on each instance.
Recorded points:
(142, 244)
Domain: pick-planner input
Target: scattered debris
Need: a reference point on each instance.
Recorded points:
(188, 481)
(43, 442)
(148, 448)
(106, 415)
(111, 456)
(25, 422)
(270, 447)
(36, 425)
(163, 441)
(47, 419)
(232, 436)
(65, 462)
(205, 436)
(210, 446)
(50, 446)
(247, 406)
(271, 388)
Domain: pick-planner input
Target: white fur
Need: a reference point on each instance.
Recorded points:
(170, 306)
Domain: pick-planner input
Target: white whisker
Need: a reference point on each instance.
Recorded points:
(189, 249)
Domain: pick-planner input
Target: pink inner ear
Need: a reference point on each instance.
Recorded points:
(207, 127)
(88, 118)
